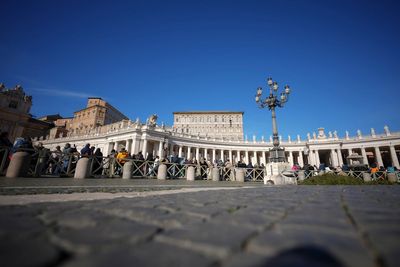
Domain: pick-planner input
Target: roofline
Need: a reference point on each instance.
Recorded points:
(89, 108)
(208, 112)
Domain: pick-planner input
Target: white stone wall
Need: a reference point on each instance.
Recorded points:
(136, 138)
(227, 125)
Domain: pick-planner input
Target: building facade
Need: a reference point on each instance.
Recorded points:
(97, 113)
(213, 124)
(15, 118)
(319, 148)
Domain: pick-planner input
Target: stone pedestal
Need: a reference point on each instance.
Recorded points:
(190, 173)
(215, 174)
(273, 173)
(392, 177)
(301, 175)
(19, 165)
(82, 168)
(127, 170)
(239, 175)
(162, 172)
(367, 177)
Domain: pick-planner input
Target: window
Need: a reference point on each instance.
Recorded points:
(13, 104)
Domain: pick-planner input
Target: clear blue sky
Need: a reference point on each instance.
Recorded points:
(341, 58)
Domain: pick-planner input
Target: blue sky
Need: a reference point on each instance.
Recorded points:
(341, 59)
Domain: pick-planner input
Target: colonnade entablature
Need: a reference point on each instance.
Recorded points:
(164, 141)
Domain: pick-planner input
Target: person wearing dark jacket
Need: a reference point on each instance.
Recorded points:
(86, 151)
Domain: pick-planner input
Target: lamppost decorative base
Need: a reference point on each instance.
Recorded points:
(277, 154)
(273, 174)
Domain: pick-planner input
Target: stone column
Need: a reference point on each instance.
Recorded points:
(350, 151)
(317, 161)
(171, 149)
(144, 148)
(197, 154)
(230, 156)
(246, 157)
(395, 160)
(180, 151)
(222, 155)
(116, 145)
(300, 159)
(206, 154)
(109, 147)
(291, 162)
(160, 150)
(264, 158)
(189, 154)
(364, 155)
(378, 156)
(129, 145)
(253, 159)
(311, 157)
(339, 153)
(334, 159)
(135, 146)
(213, 156)
(237, 156)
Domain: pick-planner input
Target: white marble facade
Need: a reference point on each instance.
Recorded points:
(212, 124)
(382, 148)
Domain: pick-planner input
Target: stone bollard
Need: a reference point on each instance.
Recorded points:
(232, 175)
(127, 170)
(190, 173)
(239, 175)
(82, 168)
(162, 172)
(19, 165)
(367, 177)
(301, 175)
(215, 174)
(392, 177)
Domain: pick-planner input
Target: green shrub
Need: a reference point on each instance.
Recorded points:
(332, 179)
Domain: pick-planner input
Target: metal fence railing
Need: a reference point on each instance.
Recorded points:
(379, 175)
(4, 159)
(58, 164)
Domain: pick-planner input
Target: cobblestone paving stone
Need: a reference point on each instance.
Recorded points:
(264, 226)
(34, 186)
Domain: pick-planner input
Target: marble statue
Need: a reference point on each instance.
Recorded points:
(152, 120)
(386, 129)
(373, 134)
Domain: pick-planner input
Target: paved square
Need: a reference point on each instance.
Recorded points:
(234, 226)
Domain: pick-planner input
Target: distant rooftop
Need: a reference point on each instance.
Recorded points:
(208, 112)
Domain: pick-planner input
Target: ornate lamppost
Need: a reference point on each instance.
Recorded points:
(273, 100)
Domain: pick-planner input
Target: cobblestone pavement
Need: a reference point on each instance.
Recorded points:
(10, 186)
(259, 226)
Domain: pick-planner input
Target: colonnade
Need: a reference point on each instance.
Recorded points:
(380, 149)
(334, 156)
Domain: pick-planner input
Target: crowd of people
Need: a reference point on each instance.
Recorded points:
(61, 160)
(374, 169)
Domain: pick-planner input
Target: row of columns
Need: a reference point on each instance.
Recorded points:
(133, 146)
(337, 158)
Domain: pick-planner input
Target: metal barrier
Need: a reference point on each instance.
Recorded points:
(379, 175)
(4, 159)
(57, 164)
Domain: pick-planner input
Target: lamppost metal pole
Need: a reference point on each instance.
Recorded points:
(277, 154)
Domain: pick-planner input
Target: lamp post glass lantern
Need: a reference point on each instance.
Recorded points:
(273, 100)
